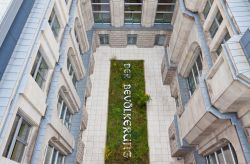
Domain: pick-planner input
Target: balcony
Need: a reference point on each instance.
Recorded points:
(84, 122)
(228, 80)
(195, 122)
(168, 69)
(176, 146)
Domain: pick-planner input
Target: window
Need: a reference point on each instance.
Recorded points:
(71, 72)
(54, 23)
(101, 11)
(133, 10)
(40, 70)
(77, 40)
(104, 39)
(226, 38)
(53, 156)
(64, 113)
(216, 23)
(193, 77)
(17, 140)
(225, 154)
(131, 39)
(164, 12)
(160, 40)
(207, 7)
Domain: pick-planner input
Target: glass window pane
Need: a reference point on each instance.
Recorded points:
(227, 154)
(128, 18)
(43, 69)
(97, 18)
(133, 8)
(191, 83)
(163, 17)
(206, 9)
(106, 18)
(10, 139)
(131, 39)
(100, 1)
(212, 159)
(60, 159)
(63, 110)
(220, 157)
(18, 150)
(213, 29)
(24, 131)
(35, 65)
(104, 39)
(219, 17)
(136, 17)
(39, 80)
(165, 8)
(48, 154)
(133, 1)
(166, 1)
(101, 7)
(55, 26)
(160, 40)
(54, 156)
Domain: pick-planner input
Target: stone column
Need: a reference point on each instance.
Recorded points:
(148, 12)
(117, 12)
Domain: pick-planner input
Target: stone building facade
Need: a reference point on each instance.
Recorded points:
(207, 67)
(46, 59)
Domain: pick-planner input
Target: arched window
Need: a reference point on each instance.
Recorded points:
(195, 72)
(53, 156)
(64, 111)
(70, 68)
(225, 154)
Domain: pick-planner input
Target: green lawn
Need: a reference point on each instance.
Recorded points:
(114, 143)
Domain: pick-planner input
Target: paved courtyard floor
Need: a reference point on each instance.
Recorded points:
(160, 109)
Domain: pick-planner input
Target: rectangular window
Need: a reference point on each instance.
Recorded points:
(54, 23)
(216, 24)
(18, 139)
(71, 72)
(39, 70)
(101, 11)
(207, 7)
(131, 39)
(160, 40)
(226, 38)
(64, 113)
(193, 77)
(133, 10)
(164, 12)
(104, 39)
(53, 156)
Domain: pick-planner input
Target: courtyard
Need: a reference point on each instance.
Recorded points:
(160, 109)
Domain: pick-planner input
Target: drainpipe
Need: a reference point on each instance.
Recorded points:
(209, 108)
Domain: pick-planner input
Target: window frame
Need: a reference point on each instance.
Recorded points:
(71, 71)
(132, 36)
(104, 39)
(192, 75)
(216, 23)
(9, 149)
(52, 20)
(164, 17)
(57, 153)
(36, 69)
(63, 107)
(101, 13)
(226, 37)
(132, 18)
(215, 153)
(209, 5)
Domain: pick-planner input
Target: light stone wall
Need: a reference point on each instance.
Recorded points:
(145, 39)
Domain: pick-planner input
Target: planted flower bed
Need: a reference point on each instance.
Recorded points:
(127, 140)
